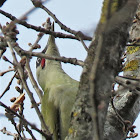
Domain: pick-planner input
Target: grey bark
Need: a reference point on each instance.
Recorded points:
(128, 101)
(101, 66)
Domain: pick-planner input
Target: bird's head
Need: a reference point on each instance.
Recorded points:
(45, 66)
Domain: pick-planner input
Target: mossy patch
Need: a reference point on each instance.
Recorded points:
(132, 49)
(131, 66)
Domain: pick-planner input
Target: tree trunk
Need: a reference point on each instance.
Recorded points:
(127, 100)
(102, 65)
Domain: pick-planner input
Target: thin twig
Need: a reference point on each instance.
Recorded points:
(83, 43)
(30, 132)
(8, 133)
(40, 35)
(4, 131)
(118, 115)
(4, 72)
(8, 86)
(7, 60)
(30, 94)
(62, 26)
(33, 81)
(21, 106)
(62, 59)
(13, 122)
(22, 52)
(11, 28)
(40, 29)
(127, 125)
(2, 2)
(24, 120)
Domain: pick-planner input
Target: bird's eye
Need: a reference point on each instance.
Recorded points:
(38, 61)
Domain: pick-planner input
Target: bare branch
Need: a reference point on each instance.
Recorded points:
(86, 48)
(2, 2)
(8, 86)
(7, 31)
(34, 83)
(79, 34)
(62, 59)
(8, 133)
(30, 132)
(131, 83)
(39, 29)
(24, 120)
(4, 72)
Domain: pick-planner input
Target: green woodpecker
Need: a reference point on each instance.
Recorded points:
(59, 92)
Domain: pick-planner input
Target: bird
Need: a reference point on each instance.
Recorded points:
(59, 89)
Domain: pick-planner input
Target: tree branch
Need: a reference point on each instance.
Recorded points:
(39, 29)
(24, 120)
(38, 3)
(2, 2)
